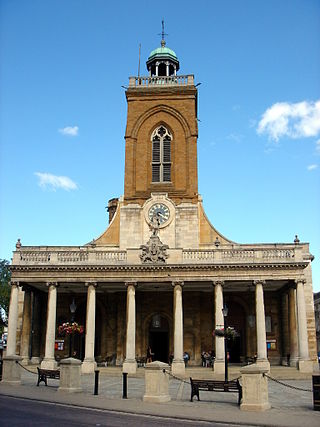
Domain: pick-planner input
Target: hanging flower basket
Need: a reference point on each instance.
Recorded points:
(68, 328)
(229, 333)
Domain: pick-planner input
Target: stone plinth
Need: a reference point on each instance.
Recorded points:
(305, 366)
(129, 366)
(156, 383)
(254, 389)
(11, 370)
(70, 375)
(178, 367)
(219, 366)
(88, 366)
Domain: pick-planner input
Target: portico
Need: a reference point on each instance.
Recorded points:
(161, 273)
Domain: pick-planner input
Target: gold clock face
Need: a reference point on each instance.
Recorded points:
(159, 211)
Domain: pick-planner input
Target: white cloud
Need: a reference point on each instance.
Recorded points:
(292, 120)
(69, 130)
(312, 167)
(52, 182)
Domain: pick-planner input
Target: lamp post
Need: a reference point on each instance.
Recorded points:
(73, 308)
(225, 314)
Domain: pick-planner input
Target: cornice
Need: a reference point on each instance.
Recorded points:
(158, 267)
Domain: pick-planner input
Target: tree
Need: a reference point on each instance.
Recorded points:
(5, 276)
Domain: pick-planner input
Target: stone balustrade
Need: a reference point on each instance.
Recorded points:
(96, 256)
(217, 256)
(147, 81)
(71, 256)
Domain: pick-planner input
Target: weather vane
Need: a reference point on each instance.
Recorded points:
(162, 34)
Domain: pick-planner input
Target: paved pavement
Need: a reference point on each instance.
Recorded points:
(290, 407)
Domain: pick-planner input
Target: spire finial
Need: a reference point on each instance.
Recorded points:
(163, 42)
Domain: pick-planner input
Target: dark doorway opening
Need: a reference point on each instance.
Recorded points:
(159, 338)
(159, 344)
(234, 349)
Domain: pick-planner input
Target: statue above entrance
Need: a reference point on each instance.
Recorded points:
(154, 252)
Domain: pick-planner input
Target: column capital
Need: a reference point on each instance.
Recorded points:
(218, 282)
(292, 285)
(303, 281)
(259, 282)
(49, 284)
(14, 283)
(130, 283)
(175, 283)
(94, 284)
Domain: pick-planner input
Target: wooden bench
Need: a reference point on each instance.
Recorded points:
(214, 385)
(44, 374)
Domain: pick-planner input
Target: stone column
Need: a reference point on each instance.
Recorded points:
(262, 359)
(130, 364)
(88, 366)
(35, 353)
(304, 363)
(178, 366)
(219, 363)
(13, 319)
(49, 361)
(293, 327)
(284, 321)
(26, 326)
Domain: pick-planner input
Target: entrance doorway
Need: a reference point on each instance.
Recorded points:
(159, 338)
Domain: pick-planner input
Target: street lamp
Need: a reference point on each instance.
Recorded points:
(73, 307)
(225, 314)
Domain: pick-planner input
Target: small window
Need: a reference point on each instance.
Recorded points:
(161, 155)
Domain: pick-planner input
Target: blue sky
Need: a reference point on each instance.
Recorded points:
(63, 113)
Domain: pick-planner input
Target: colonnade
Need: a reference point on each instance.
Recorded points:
(297, 326)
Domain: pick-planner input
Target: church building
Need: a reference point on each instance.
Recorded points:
(160, 275)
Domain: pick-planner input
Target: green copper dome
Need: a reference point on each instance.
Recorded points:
(163, 61)
(162, 52)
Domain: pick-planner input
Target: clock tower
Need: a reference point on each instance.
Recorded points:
(161, 133)
(161, 177)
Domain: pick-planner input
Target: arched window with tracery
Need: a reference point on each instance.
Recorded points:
(161, 154)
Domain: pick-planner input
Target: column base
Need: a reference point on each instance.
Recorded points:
(35, 361)
(11, 370)
(264, 364)
(178, 367)
(129, 366)
(25, 360)
(88, 366)
(305, 366)
(219, 366)
(293, 362)
(49, 364)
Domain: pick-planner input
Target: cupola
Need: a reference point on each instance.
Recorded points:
(163, 61)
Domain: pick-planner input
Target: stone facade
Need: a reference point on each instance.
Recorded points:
(126, 301)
